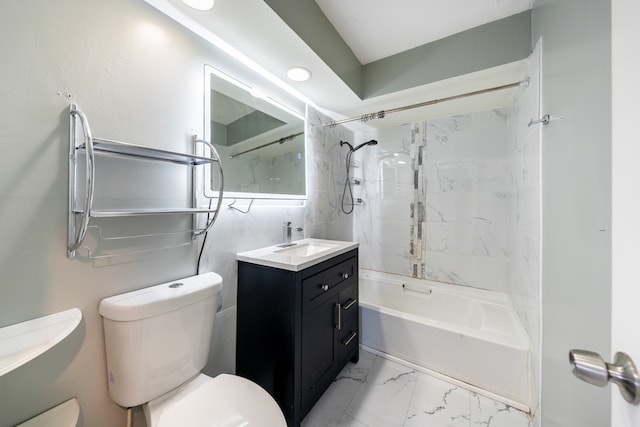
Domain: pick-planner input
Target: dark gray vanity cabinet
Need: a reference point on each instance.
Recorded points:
(296, 330)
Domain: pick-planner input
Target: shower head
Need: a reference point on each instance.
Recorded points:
(371, 142)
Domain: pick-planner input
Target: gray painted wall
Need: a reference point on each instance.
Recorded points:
(114, 59)
(139, 78)
(497, 43)
(576, 200)
(490, 45)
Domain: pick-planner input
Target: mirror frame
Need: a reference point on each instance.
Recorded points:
(210, 71)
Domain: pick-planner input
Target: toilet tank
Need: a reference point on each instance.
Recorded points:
(157, 338)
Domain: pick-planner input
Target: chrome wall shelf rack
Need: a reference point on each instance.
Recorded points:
(81, 208)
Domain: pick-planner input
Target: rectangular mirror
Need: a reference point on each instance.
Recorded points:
(260, 141)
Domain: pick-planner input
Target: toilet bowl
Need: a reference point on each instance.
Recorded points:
(157, 342)
(226, 400)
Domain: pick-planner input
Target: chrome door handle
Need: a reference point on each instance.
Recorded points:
(590, 367)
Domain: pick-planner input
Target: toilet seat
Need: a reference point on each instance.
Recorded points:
(226, 400)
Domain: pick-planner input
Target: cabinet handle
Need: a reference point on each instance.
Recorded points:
(345, 275)
(324, 287)
(351, 337)
(350, 304)
(339, 324)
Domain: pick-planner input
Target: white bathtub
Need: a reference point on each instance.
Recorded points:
(470, 335)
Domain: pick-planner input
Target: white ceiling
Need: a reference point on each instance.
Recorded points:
(376, 29)
(373, 29)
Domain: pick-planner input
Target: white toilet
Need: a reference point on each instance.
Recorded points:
(157, 341)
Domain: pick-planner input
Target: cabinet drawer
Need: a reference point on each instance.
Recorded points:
(348, 337)
(349, 300)
(322, 282)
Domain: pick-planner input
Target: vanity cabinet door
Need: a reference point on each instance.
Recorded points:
(318, 350)
(329, 334)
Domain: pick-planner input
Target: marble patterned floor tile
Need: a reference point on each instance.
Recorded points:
(486, 412)
(331, 407)
(365, 360)
(437, 403)
(383, 400)
(348, 421)
(377, 392)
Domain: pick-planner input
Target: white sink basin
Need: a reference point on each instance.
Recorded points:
(300, 255)
(305, 249)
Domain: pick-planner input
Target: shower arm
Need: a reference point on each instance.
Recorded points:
(346, 143)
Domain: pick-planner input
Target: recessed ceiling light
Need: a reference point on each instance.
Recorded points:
(199, 4)
(299, 74)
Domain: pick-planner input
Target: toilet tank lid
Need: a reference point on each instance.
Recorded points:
(162, 298)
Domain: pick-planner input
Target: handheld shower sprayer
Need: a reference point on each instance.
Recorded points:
(347, 183)
(353, 150)
(371, 142)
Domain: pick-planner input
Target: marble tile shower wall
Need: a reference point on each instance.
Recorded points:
(475, 176)
(436, 199)
(468, 196)
(326, 176)
(382, 221)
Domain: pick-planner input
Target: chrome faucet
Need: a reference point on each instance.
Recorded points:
(288, 225)
(287, 243)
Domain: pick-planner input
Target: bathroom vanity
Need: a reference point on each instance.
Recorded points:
(298, 322)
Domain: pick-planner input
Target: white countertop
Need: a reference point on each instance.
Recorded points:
(302, 254)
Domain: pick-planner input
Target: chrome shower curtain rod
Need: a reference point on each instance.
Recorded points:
(383, 113)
